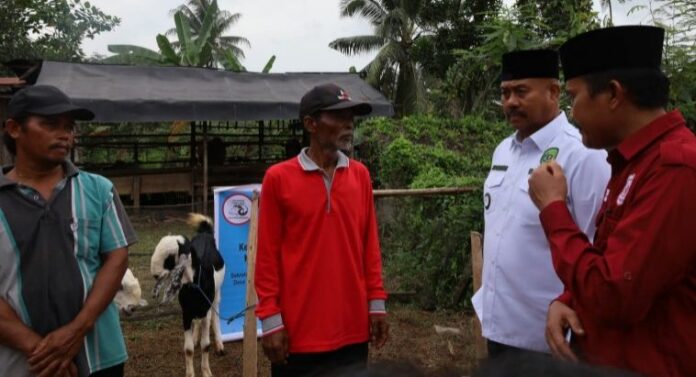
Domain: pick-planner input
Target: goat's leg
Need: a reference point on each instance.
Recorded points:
(188, 348)
(219, 346)
(196, 333)
(219, 277)
(205, 345)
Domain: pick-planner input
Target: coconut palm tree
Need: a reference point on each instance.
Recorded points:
(394, 70)
(606, 4)
(194, 13)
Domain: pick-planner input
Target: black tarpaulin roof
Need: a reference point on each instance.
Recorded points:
(121, 93)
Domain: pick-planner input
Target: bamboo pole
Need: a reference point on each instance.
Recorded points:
(422, 192)
(250, 356)
(480, 348)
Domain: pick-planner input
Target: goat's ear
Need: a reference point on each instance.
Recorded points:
(169, 263)
(184, 248)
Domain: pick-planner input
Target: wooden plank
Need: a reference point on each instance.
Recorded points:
(480, 347)
(161, 183)
(124, 185)
(250, 355)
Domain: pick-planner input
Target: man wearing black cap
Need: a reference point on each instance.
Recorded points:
(318, 268)
(63, 248)
(518, 278)
(632, 291)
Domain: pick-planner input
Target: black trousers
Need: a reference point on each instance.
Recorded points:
(352, 357)
(114, 371)
(496, 350)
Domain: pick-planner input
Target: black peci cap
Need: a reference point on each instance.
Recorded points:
(527, 64)
(615, 48)
(44, 100)
(329, 97)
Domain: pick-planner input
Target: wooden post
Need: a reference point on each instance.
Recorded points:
(261, 140)
(480, 347)
(250, 355)
(192, 165)
(205, 168)
(136, 192)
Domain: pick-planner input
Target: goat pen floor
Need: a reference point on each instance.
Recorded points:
(155, 341)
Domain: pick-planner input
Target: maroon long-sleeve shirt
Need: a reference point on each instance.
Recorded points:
(634, 288)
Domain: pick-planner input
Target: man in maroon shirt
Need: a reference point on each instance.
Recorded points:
(318, 268)
(630, 295)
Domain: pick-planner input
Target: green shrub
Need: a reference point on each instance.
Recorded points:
(425, 240)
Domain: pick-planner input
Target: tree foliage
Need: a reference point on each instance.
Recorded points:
(49, 29)
(396, 30)
(194, 14)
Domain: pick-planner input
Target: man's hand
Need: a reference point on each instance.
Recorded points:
(558, 319)
(547, 184)
(55, 353)
(275, 346)
(379, 330)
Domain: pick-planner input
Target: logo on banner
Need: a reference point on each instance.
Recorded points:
(237, 209)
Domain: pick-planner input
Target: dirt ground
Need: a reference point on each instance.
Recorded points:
(155, 340)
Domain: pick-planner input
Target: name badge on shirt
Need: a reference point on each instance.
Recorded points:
(622, 196)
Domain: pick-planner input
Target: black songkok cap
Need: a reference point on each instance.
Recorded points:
(527, 64)
(615, 48)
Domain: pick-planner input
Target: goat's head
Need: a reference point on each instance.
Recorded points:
(171, 259)
(129, 297)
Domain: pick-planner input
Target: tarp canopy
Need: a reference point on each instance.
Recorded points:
(121, 93)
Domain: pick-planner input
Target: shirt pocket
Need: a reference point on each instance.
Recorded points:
(492, 188)
(606, 223)
(525, 210)
(87, 233)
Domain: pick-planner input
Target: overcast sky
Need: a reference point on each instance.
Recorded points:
(298, 32)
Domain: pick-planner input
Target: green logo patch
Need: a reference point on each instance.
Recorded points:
(549, 155)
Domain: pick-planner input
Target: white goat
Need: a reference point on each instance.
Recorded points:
(129, 297)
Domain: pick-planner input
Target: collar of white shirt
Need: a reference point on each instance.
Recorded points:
(545, 135)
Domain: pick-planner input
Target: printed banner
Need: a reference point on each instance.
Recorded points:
(232, 222)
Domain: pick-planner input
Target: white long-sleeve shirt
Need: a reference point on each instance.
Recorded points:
(519, 281)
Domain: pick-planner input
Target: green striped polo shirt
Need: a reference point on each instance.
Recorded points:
(50, 254)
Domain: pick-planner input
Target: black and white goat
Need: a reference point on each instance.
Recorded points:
(195, 269)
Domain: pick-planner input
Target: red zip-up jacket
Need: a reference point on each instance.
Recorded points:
(318, 267)
(634, 288)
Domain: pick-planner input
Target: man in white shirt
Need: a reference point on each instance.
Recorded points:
(519, 281)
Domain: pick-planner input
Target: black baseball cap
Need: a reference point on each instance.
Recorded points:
(329, 97)
(527, 64)
(44, 100)
(613, 48)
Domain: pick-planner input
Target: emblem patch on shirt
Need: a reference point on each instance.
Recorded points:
(549, 155)
(622, 196)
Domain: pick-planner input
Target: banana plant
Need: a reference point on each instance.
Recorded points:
(192, 52)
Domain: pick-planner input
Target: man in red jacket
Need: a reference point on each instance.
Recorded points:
(318, 268)
(631, 294)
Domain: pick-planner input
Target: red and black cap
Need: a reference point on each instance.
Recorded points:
(45, 100)
(614, 48)
(329, 97)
